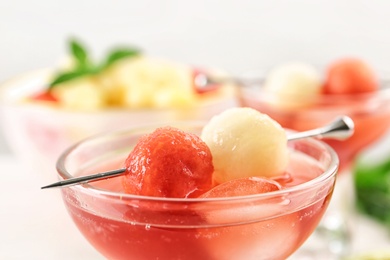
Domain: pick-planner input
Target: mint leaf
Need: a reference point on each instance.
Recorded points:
(66, 76)
(79, 53)
(118, 54)
(85, 67)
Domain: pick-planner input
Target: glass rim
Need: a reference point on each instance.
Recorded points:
(62, 172)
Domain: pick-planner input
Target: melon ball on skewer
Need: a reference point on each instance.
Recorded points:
(245, 143)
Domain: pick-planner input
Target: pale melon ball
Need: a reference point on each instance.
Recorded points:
(293, 85)
(245, 143)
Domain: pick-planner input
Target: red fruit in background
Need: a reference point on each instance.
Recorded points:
(349, 76)
(44, 96)
(242, 187)
(169, 163)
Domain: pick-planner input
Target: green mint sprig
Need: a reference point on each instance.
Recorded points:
(84, 65)
(372, 185)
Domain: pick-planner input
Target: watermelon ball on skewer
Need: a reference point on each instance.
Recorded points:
(169, 163)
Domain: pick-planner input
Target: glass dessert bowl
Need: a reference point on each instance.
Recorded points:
(270, 225)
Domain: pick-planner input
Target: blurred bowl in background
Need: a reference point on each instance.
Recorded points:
(38, 132)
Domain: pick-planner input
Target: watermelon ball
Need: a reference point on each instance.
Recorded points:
(245, 143)
(169, 163)
(350, 76)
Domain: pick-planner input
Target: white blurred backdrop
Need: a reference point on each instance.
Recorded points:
(234, 35)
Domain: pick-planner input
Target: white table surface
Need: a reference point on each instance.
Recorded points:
(35, 224)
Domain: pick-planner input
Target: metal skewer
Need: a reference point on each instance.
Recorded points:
(341, 128)
(86, 179)
(204, 82)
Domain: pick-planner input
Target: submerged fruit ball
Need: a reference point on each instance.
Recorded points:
(349, 76)
(242, 187)
(169, 163)
(245, 143)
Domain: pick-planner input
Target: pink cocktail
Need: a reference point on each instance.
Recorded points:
(270, 225)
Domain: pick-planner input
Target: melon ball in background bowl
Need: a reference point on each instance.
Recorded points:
(45, 111)
(293, 79)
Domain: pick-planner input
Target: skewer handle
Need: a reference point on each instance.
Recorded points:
(341, 128)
